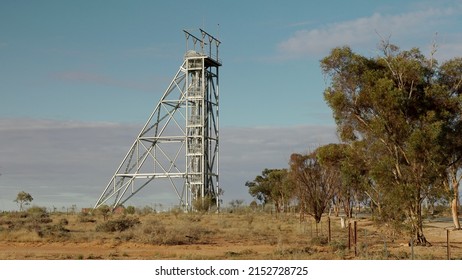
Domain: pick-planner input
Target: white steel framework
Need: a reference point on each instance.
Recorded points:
(180, 140)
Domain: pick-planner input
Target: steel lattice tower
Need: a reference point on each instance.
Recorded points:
(180, 141)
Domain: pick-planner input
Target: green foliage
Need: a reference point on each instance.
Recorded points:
(274, 186)
(319, 240)
(22, 199)
(402, 112)
(53, 232)
(39, 215)
(38, 222)
(260, 187)
(37, 210)
(316, 183)
(130, 210)
(203, 204)
(104, 210)
(86, 218)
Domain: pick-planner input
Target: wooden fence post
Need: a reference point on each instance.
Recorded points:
(329, 236)
(311, 228)
(356, 238)
(349, 236)
(448, 245)
(412, 248)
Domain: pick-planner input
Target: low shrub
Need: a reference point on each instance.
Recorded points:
(53, 232)
(37, 214)
(130, 210)
(338, 245)
(319, 240)
(37, 210)
(29, 220)
(295, 251)
(159, 233)
(120, 224)
(240, 254)
(63, 222)
(86, 218)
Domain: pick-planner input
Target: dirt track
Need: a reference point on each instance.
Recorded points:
(94, 250)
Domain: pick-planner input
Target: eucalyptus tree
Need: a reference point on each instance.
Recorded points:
(23, 198)
(450, 78)
(398, 106)
(272, 186)
(347, 162)
(316, 184)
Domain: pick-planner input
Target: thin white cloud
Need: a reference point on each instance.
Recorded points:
(64, 163)
(363, 31)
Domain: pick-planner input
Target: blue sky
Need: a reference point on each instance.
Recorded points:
(72, 69)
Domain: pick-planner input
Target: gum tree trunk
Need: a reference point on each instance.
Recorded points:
(415, 215)
(455, 205)
(455, 181)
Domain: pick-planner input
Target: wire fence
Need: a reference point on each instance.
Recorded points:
(362, 240)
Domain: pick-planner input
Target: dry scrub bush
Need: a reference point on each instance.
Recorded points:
(33, 225)
(319, 240)
(53, 232)
(20, 235)
(120, 224)
(203, 205)
(294, 252)
(86, 218)
(247, 253)
(63, 222)
(159, 232)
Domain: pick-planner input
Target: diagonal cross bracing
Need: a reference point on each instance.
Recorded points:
(179, 140)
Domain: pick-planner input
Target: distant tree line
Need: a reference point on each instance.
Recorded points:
(399, 119)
